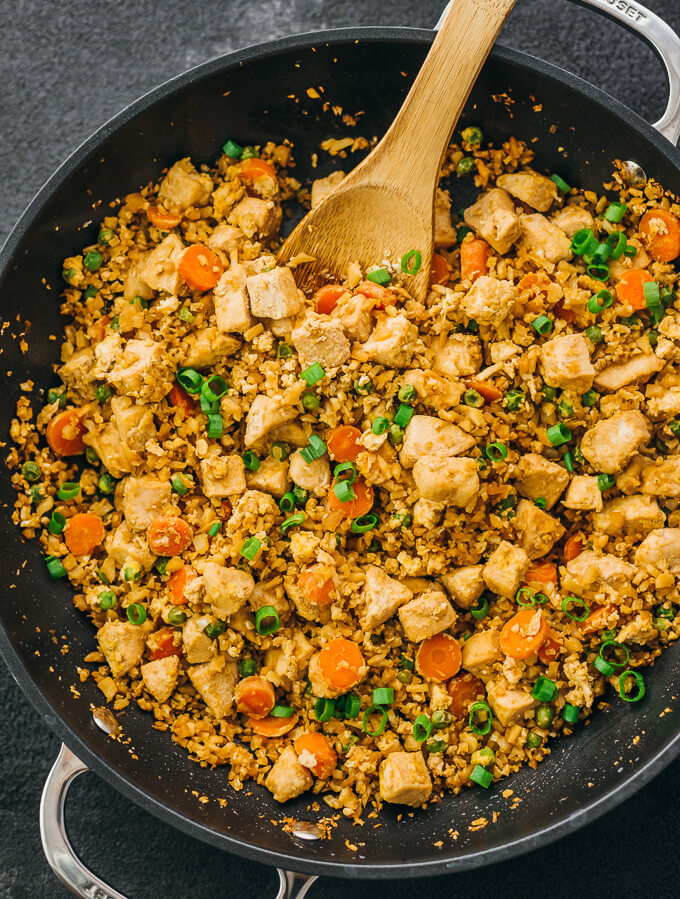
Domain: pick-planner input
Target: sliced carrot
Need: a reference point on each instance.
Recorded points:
(177, 584)
(551, 648)
(340, 663)
(327, 297)
(630, 288)
(325, 757)
(464, 690)
(440, 270)
(353, 508)
(272, 726)
(382, 296)
(200, 267)
(524, 634)
(168, 536)
(166, 221)
(545, 573)
(439, 658)
(597, 620)
(660, 233)
(474, 257)
(65, 433)
(343, 443)
(316, 586)
(483, 388)
(83, 533)
(572, 548)
(163, 644)
(567, 315)
(180, 399)
(259, 175)
(254, 696)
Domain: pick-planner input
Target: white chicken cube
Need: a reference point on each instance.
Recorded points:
(465, 585)
(144, 372)
(256, 217)
(274, 294)
(160, 677)
(271, 477)
(202, 349)
(565, 363)
(321, 187)
(354, 312)
(122, 644)
(613, 442)
(382, 596)
(635, 371)
(198, 647)
(114, 454)
(320, 339)
(460, 355)
(537, 531)
(537, 191)
(265, 414)
(287, 778)
(223, 475)
(126, 547)
(77, 373)
(226, 238)
(481, 651)
(629, 515)
(160, 267)
(489, 300)
(226, 589)
(134, 422)
(404, 779)
(426, 615)
(640, 630)
(144, 499)
(447, 480)
(444, 232)
(426, 435)
(392, 342)
(183, 186)
(573, 218)
(660, 549)
(544, 239)
(583, 493)
(494, 218)
(215, 682)
(509, 705)
(590, 570)
(662, 478)
(314, 476)
(665, 406)
(536, 477)
(232, 311)
(505, 569)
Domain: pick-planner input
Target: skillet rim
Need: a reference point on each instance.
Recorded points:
(121, 781)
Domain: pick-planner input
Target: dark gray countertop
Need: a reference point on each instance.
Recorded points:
(65, 69)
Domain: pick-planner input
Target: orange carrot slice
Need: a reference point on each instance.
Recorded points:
(340, 662)
(325, 757)
(353, 508)
(327, 297)
(200, 267)
(272, 726)
(254, 696)
(464, 690)
(630, 288)
(83, 533)
(343, 443)
(474, 256)
(523, 634)
(177, 584)
(316, 586)
(168, 536)
(660, 233)
(440, 271)
(65, 433)
(166, 221)
(439, 658)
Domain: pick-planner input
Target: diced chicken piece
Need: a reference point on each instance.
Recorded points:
(583, 493)
(460, 355)
(198, 646)
(465, 585)
(382, 597)
(274, 294)
(266, 594)
(133, 285)
(314, 476)
(536, 477)
(447, 480)
(287, 777)
(640, 630)
(634, 371)
(144, 499)
(215, 681)
(439, 393)
(426, 435)
(321, 187)
(629, 515)
(225, 238)
(77, 372)
(160, 677)
(660, 549)
(612, 443)
(590, 570)
(303, 546)
(144, 372)
(505, 569)
(106, 353)
(662, 478)
(122, 644)
(481, 651)
(545, 239)
(320, 339)
(537, 531)
(183, 186)
(290, 432)
(206, 347)
(535, 190)
(134, 422)
(426, 615)
(281, 665)
(232, 310)
(252, 512)
(160, 267)
(354, 312)
(266, 413)
(665, 406)
(226, 589)
(565, 363)
(509, 705)
(126, 547)
(113, 453)
(572, 218)
(404, 779)
(271, 477)
(256, 217)
(426, 514)
(392, 342)
(489, 300)
(222, 475)
(494, 218)
(444, 232)
(630, 480)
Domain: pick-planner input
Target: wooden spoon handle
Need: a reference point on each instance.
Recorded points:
(411, 151)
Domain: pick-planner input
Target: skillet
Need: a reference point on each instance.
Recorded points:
(256, 95)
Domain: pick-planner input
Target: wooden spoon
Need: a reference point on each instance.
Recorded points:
(384, 207)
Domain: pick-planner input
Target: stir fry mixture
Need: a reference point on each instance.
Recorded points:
(351, 543)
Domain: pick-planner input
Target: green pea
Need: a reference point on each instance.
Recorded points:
(466, 166)
(544, 715)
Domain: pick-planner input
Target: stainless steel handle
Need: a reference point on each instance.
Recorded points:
(660, 37)
(70, 869)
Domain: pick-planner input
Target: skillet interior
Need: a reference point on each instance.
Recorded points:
(252, 96)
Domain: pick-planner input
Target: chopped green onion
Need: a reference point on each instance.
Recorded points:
(57, 523)
(583, 241)
(54, 567)
(232, 149)
(664, 612)
(615, 212)
(570, 713)
(215, 426)
(653, 337)
(161, 564)
(617, 244)
(136, 613)
(176, 616)
(189, 379)
(513, 400)
(292, 522)
(214, 529)
(383, 696)
(313, 374)
(249, 153)
(618, 651)
(247, 667)
(30, 471)
(525, 597)
(422, 728)
(403, 416)
(208, 406)
(544, 689)
(346, 468)
(601, 300)
(315, 449)
(480, 609)
(481, 776)
(479, 720)
(473, 399)
(652, 294)
(363, 386)
(107, 600)
(350, 705)
(379, 276)
(287, 502)
(605, 481)
(558, 434)
(68, 274)
(542, 325)
(180, 485)
(567, 603)
(568, 462)
(496, 452)
(284, 351)
(68, 490)
(114, 324)
(466, 165)
(214, 388)
(561, 184)
(344, 491)
(407, 394)
(282, 711)
(598, 270)
(250, 548)
(630, 251)
(624, 680)
(380, 425)
(105, 235)
(544, 715)
(472, 135)
(411, 262)
(267, 621)
(93, 260)
(215, 630)
(250, 461)
(106, 484)
(372, 710)
(364, 523)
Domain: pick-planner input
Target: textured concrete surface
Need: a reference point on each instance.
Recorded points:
(64, 69)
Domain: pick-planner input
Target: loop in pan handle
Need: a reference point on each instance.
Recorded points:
(660, 37)
(70, 869)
